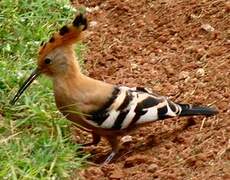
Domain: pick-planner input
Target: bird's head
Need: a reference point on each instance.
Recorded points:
(55, 57)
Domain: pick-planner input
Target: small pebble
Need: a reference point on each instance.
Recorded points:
(207, 27)
(152, 168)
(126, 139)
(93, 24)
(183, 75)
(134, 66)
(96, 8)
(200, 72)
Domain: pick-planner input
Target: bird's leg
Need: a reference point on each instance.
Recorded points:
(114, 142)
(95, 141)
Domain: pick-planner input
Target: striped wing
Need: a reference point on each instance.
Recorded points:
(129, 106)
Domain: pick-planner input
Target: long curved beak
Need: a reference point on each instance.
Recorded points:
(25, 85)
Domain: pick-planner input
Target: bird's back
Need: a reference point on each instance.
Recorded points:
(129, 106)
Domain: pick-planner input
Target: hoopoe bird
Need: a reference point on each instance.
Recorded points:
(98, 107)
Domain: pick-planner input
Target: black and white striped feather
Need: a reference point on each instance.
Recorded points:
(129, 106)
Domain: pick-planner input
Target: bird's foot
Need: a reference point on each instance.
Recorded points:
(109, 158)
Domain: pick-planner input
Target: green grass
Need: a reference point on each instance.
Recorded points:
(35, 140)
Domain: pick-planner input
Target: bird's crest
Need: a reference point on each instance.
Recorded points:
(68, 34)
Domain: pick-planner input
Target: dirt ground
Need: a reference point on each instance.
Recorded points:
(180, 49)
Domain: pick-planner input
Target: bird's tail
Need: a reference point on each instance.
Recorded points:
(189, 110)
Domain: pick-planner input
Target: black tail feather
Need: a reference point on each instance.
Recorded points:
(189, 110)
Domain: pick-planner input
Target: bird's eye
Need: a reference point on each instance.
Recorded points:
(48, 61)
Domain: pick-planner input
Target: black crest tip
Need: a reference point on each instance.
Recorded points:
(42, 43)
(51, 39)
(80, 20)
(64, 30)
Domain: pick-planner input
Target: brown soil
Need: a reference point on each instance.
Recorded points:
(180, 49)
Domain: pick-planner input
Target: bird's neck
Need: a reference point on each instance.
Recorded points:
(71, 68)
(72, 77)
(75, 87)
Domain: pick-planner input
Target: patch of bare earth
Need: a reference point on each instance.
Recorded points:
(180, 49)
